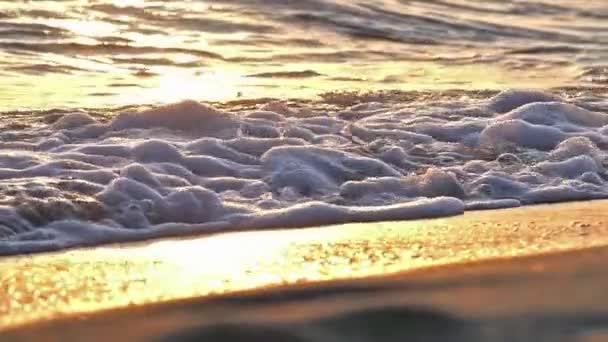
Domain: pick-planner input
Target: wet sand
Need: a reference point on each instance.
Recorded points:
(548, 297)
(477, 266)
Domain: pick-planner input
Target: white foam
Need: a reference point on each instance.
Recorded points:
(186, 115)
(189, 168)
(493, 204)
(74, 120)
(509, 100)
(518, 133)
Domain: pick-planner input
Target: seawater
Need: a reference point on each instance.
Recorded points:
(106, 53)
(325, 112)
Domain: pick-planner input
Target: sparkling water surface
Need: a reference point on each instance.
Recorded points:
(103, 53)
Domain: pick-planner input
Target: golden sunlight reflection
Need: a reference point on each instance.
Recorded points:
(88, 28)
(106, 85)
(174, 86)
(95, 50)
(129, 3)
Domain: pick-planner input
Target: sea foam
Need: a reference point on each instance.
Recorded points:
(185, 168)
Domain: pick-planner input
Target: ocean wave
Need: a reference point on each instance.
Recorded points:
(82, 178)
(262, 37)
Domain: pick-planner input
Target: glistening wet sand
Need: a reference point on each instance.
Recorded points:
(549, 297)
(85, 281)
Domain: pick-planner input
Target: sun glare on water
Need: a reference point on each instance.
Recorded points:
(175, 86)
(133, 3)
(86, 28)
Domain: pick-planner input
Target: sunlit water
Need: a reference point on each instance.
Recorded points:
(72, 175)
(79, 177)
(99, 53)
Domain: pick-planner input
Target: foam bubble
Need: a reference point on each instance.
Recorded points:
(569, 168)
(74, 120)
(508, 100)
(493, 204)
(189, 168)
(186, 116)
(561, 115)
(519, 133)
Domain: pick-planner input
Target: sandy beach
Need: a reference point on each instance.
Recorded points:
(480, 265)
(311, 170)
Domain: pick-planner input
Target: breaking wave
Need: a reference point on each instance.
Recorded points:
(73, 178)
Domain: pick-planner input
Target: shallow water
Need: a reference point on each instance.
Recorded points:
(105, 53)
(91, 153)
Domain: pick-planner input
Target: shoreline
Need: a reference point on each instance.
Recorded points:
(338, 98)
(307, 171)
(291, 165)
(84, 282)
